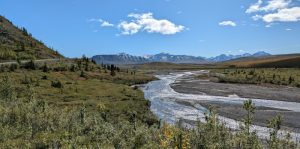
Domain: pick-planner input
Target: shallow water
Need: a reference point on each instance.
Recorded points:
(163, 104)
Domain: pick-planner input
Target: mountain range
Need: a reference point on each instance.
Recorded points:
(224, 57)
(124, 58)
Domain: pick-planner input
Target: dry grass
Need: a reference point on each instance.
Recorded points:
(280, 61)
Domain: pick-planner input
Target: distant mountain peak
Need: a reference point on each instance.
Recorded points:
(261, 54)
(226, 57)
(123, 53)
(163, 53)
(124, 58)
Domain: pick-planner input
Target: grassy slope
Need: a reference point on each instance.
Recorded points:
(17, 43)
(260, 70)
(277, 61)
(100, 88)
(280, 61)
(120, 106)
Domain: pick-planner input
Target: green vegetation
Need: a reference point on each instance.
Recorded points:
(17, 44)
(276, 61)
(277, 76)
(77, 104)
(53, 106)
(28, 121)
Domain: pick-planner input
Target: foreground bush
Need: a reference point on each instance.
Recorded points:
(28, 122)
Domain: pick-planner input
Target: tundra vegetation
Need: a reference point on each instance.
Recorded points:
(275, 76)
(77, 104)
(16, 43)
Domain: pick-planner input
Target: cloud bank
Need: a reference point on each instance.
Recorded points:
(227, 23)
(106, 24)
(271, 6)
(283, 15)
(274, 11)
(146, 22)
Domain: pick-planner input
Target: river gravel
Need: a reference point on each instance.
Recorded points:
(165, 103)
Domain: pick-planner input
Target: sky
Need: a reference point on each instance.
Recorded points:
(144, 27)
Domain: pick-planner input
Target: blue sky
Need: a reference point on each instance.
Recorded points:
(140, 27)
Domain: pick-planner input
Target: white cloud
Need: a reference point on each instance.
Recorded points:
(146, 22)
(288, 29)
(283, 15)
(106, 24)
(272, 5)
(268, 25)
(276, 4)
(95, 20)
(275, 11)
(254, 7)
(129, 28)
(257, 17)
(227, 23)
(103, 22)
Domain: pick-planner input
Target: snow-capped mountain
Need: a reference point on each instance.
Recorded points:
(124, 58)
(225, 57)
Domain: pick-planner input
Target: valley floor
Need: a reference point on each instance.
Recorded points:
(193, 85)
(190, 84)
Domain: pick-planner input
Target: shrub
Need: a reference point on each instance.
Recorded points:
(112, 73)
(6, 54)
(60, 68)
(211, 134)
(30, 65)
(274, 125)
(13, 67)
(26, 80)
(44, 77)
(45, 68)
(135, 87)
(2, 68)
(57, 84)
(73, 68)
(82, 74)
(6, 90)
(248, 138)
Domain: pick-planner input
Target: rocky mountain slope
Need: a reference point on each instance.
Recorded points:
(162, 57)
(124, 58)
(224, 57)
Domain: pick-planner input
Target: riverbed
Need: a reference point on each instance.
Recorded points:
(170, 105)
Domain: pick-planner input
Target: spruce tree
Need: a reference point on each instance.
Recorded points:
(6, 90)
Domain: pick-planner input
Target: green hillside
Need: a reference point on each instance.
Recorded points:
(279, 61)
(18, 43)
